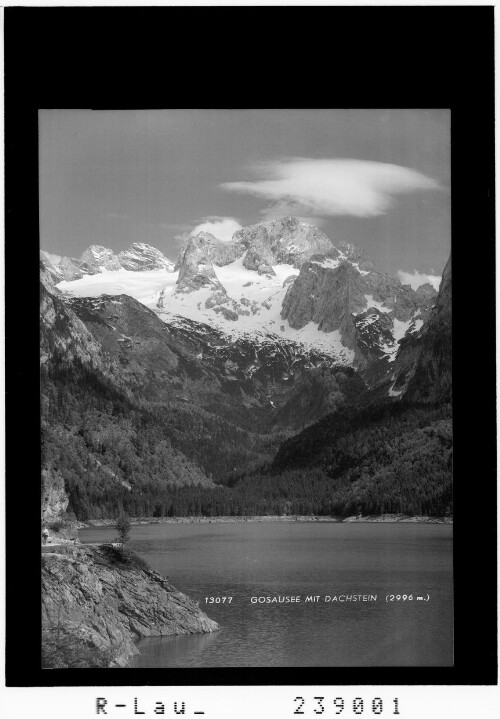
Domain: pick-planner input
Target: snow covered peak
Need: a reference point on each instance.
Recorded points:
(140, 257)
(143, 257)
(286, 240)
(97, 251)
(280, 278)
(98, 258)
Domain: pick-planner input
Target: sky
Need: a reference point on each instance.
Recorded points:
(377, 178)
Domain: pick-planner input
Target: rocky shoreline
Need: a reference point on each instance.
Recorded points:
(276, 518)
(400, 518)
(98, 600)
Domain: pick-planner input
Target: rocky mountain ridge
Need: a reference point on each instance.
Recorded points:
(48, 272)
(337, 290)
(282, 278)
(96, 258)
(141, 256)
(371, 310)
(281, 241)
(423, 365)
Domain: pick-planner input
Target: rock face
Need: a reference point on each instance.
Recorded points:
(141, 256)
(356, 255)
(372, 311)
(97, 258)
(325, 296)
(70, 269)
(47, 278)
(196, 271)
(430, 380)
(195, 265)
(280, 241)
(54, 497)
(105, 598)
(223, 253)
(48, 269)
(63, 333)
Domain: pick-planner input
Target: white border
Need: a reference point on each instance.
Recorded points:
(277, 702)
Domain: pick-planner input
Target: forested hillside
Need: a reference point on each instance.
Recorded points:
(115, 455)
(381, 458)
(113, 451)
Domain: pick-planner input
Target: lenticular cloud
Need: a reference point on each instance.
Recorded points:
(331, 187)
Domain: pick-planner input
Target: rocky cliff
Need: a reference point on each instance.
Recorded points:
(54, 497)
(96, 601)
(275, 242)
(97, 258)
(431, 378)
(371, 311)
(195, 264)
(62, 332)
(70, 269)
(422, 368)
(196, 271)
(140, 257)
(280, 241)
(47, 269)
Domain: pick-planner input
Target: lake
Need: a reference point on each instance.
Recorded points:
(246, 560)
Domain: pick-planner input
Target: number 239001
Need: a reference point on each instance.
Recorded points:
(338, 705)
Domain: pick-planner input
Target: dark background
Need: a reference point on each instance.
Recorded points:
(397, 57)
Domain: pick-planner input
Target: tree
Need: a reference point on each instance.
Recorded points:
(122, 526)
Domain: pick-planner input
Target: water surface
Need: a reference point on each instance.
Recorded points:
(321, 559)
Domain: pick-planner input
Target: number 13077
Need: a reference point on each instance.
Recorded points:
(358, 705)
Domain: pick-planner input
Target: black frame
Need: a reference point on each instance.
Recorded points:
(123, 57)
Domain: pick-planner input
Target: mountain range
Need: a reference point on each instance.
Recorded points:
(96, 259)
(164, 380)
(280, 279)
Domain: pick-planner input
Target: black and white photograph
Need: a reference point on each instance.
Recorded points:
(250, 437)
(246, 388)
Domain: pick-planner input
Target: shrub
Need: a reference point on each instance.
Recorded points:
(121, 556)
(122, 526)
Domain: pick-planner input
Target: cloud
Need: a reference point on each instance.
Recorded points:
(221, 227)
(324, 188)
(415, 279)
